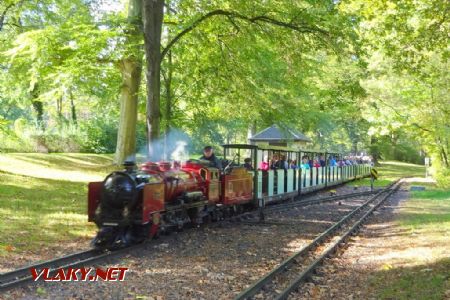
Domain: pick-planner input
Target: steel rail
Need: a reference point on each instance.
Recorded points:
(283, 206)
(289, 205)
(23, 275)
(330, 250)
(263, 281)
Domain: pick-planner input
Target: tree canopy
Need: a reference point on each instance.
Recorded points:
(109, 75)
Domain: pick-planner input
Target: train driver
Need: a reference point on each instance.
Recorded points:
(208, 154)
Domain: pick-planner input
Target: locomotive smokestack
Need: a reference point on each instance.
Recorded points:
(129, 166)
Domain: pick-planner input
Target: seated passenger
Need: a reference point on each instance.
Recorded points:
(322, 161)
(305, 164)
(248, 164)
(208, 154)
(274, 162)
(316, 164)
(264, 165)
(332, 161)
(348, 162)
(311, 163)
(293, 164)
(282, 163)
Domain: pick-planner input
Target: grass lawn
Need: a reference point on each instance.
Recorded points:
(389, 171)
(423, 270)
(43, 199)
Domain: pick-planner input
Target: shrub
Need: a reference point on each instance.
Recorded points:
(99, 136)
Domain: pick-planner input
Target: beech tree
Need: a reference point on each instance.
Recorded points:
(320, 22)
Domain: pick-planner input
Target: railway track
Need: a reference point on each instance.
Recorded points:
(289, 205)
(23, 275)
(286, 277)
(249, 217)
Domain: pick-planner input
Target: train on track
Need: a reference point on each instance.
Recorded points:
(139, 203)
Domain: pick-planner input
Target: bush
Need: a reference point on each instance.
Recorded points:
(56, 142)
(93, 136)
(99, 136)
(443, 178)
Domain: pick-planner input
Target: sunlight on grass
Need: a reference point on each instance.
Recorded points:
(43, 199)
(71, 167)
(389, 171)
(61, 218)
(421, 260)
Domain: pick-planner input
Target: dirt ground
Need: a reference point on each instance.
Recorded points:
(218, 262)
(213, 262)
(49, 251)
(380, 246)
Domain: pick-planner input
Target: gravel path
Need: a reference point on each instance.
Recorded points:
(213, 262)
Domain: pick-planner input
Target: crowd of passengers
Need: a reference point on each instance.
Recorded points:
(279, 162)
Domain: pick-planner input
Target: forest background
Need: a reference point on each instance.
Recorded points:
(110, 76)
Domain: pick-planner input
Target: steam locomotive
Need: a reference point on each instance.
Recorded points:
(138, 203)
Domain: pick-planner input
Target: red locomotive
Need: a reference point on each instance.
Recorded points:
(133, 205)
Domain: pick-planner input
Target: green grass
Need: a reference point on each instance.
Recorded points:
(389, 171)
(425, 273)
(43, 198)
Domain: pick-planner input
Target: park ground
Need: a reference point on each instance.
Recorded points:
(43, 209)
(402, 253)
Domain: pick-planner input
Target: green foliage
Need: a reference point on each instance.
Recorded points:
(355, 77)
(407, 86)
(418, 282)
(100, 135)
(94, 136)
(389, 171)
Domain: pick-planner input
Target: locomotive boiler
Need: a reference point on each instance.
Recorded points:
(132, 205)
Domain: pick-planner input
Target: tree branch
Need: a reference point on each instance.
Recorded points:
(406, 118)
(254, 20)
(2, 17)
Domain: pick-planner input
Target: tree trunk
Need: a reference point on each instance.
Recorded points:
(153, 13)
(39, 110)
(130, 69)
(374, 151)
(126, 137)
(169, 102)
(38, 107)
(59, 110)
(251, 132)
(73, 110)
(444, 157)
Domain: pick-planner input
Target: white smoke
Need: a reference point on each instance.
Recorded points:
(171, 147)
(180, 153)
